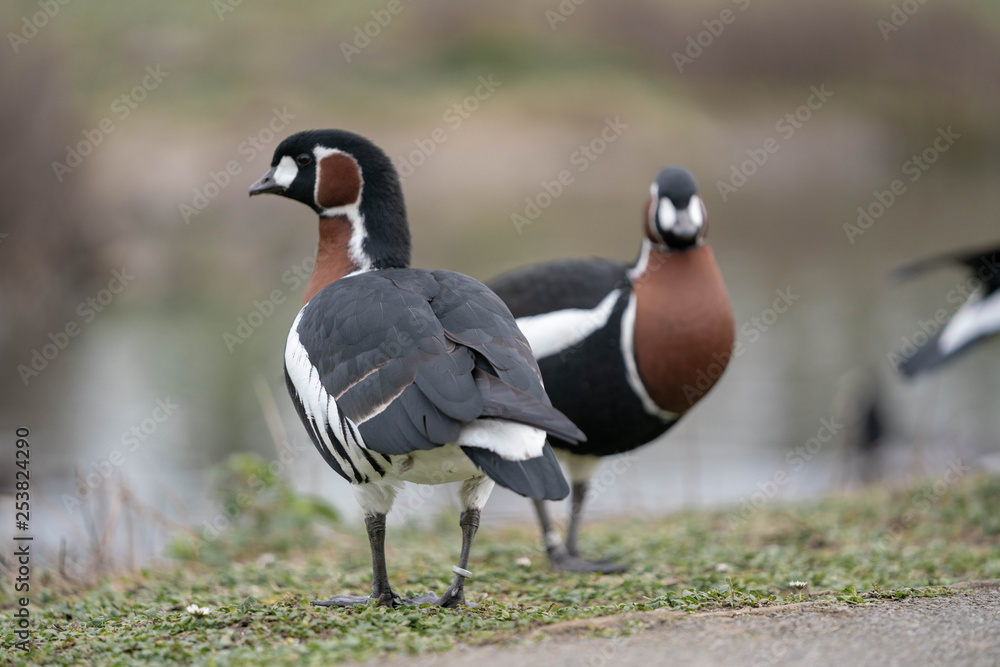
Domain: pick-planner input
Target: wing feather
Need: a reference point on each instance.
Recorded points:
(397, 349)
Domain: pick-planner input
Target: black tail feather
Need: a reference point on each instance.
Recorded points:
(540, 478)
(506, 402)
(977, 260)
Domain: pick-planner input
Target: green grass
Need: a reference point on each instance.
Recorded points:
(880, 544)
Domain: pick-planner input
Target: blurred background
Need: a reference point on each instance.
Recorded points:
(146, 299)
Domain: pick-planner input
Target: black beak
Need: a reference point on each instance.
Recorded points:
(266, 184)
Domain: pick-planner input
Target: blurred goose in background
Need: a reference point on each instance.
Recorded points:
(625, 351)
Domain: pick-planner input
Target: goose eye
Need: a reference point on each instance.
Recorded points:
(304, 159)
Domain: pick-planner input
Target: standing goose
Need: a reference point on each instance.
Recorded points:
(977, 319)
(625, 351)
(402, 374)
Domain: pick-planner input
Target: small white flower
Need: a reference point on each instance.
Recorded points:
(195, 610)
(723, 568)
(798, 584)
(523, 561)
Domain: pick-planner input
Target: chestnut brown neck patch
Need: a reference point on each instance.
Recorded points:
(338, 181)
(333, 257)
(648, 226)
(684, 327)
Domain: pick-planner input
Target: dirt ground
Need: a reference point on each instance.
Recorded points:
(963, 629)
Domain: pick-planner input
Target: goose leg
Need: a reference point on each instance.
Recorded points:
(573, 533)
(565, 557)
(382, 593)
(455, 595)
(473, 496)
(576, 510)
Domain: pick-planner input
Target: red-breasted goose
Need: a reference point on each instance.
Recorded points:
(402, 374)
(625, 351)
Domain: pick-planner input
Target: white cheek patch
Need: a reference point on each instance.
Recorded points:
(286, 172)
(667, 215)
(695, 211)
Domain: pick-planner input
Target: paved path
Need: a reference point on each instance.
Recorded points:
(960, 630)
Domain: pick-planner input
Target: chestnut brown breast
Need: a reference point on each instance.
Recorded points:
(333, 259)
(684, 325)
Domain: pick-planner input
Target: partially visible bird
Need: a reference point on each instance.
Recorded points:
(976, 320)
(402, 374)
(860, 405)
(625, 351)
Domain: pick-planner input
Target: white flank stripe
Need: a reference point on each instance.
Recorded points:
(320, 406)
(510, 440)
(632, 370)
(559, 330)
(977, 318)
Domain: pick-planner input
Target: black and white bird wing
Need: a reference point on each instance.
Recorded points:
(369, 360)
(570, 284)
(976, 320)
(985, 265)
(560, 305)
